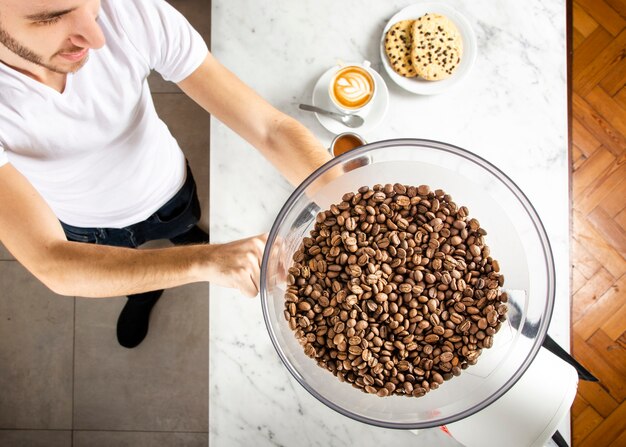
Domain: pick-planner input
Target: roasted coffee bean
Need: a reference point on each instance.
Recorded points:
(437, 378)
(371, 390)
(394, 290)
(432, 305)
(383, 392)
(446, 357)
(402, 200)
(405, 288)
(304, 306)
(488, 342)
(355, 350)
(482, 324)
(431, 338)
(354, 341)
(473, 310)
(419, 392)
(455, 317)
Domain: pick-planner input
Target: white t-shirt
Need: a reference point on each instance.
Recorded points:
(98, 153)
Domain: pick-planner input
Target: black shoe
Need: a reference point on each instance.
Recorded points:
(132, 324)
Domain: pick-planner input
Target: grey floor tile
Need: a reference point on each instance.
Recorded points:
(159, 85)
(35, 438)
(162, 385)
(139, 439)
(189, 124)
(4, 254)
(36, 342)
(198, 13)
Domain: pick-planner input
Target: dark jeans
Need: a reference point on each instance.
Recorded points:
(176, 221)
(179, 215)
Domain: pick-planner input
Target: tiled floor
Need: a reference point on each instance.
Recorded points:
(64, 379)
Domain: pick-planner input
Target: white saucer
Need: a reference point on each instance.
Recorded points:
(374, 116)
(417, 84)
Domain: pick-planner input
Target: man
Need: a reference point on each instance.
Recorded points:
(87, 170)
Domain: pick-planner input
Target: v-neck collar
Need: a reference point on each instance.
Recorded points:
(69, 80)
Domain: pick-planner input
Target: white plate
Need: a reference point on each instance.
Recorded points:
(374, 116)
(417, 84)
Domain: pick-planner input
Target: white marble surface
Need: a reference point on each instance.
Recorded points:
(511, 110)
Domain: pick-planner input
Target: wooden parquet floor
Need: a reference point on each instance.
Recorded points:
(599, 220)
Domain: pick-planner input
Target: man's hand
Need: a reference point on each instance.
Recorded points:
(237, 264)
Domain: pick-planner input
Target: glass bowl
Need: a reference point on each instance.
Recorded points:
(515, 236)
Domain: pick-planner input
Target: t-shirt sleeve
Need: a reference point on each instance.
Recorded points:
(169, 44)
(3, 156)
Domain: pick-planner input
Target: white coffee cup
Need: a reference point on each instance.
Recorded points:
(352, 88)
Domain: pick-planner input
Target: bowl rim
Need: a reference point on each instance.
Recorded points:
(521, 197)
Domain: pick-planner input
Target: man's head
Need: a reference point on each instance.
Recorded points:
(54, 34)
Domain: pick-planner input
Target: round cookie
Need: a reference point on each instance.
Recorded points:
(437, 47)
(398, 48)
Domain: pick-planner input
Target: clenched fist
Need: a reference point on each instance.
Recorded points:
(237, 264)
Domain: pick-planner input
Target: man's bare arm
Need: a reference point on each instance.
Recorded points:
(32, 233)
(286, 143)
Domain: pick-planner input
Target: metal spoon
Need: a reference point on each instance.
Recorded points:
(347, 120)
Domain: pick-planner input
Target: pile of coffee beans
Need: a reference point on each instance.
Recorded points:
(395, 291)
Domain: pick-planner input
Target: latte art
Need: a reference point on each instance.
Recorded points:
(353, 87)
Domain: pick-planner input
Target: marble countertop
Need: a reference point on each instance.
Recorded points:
(511, 110)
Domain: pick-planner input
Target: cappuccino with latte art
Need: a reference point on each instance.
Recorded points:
(352, 88)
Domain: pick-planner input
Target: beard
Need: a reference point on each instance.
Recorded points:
(25, 53)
